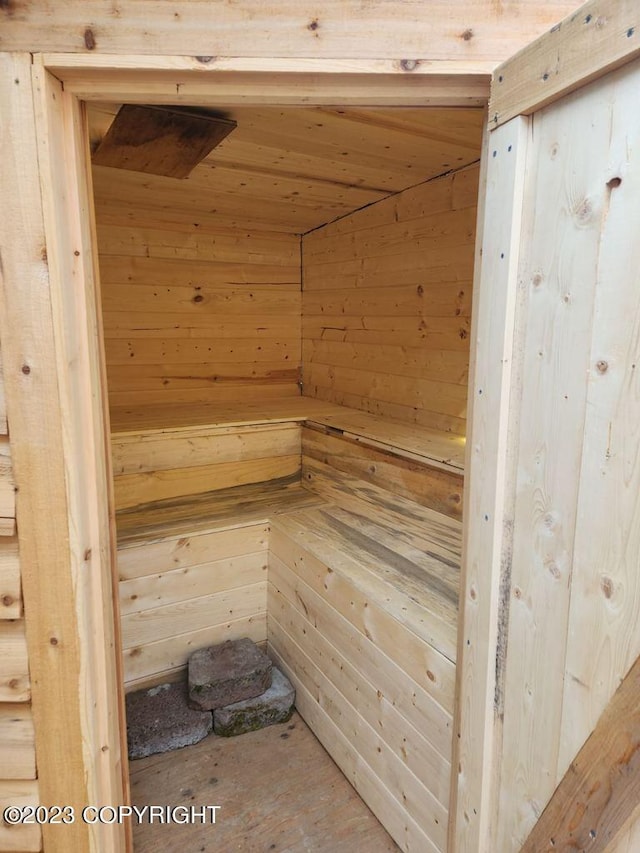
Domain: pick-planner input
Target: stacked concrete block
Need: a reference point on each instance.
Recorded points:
(232, 688)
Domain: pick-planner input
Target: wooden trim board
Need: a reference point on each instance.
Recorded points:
(485, 535)
(598, 37)
(600, 792)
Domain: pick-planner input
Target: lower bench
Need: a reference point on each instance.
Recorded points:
(353, 588)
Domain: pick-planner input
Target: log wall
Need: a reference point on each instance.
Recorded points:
(18, 785)
(387, 304)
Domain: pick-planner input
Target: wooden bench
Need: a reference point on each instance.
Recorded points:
(340, 564)
(169, 452)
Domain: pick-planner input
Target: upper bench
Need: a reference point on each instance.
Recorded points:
(168, 452)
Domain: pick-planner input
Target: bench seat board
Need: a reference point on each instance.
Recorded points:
(444, 450)
(210, 511)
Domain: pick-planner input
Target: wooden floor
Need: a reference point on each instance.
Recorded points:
(278, 791)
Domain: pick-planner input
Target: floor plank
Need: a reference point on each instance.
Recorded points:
(278, 791)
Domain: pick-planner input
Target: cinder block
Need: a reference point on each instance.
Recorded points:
(160, 719)
(227, 673)
(274, 706)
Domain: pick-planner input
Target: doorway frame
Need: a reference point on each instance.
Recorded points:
(72, 620)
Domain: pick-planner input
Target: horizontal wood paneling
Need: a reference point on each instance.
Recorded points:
(7, 489)
(158, 466)
(134, 489)
(3, 402)
(17, 741)
(20, 838)
(186, 592)
(191, 317)
(10, 590)
(292, 169)
(321, 647)
(386, 304)
(14, 665)
(441, 490)
(144, 452)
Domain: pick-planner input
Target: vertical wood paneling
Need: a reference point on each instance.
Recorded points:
(559, 272)
(387, 304)
(605, 589)
(571, 581)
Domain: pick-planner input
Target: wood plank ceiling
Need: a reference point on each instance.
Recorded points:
(291, 169)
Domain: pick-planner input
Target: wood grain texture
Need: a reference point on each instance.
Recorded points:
(160, 140)
(599, 794)
(604, 584)
(443, 31)
(135, 489)
(7, 489)
(487, 490)
(10, 587)
(19, 838)
(292, 169)
(159, 466)
(222, 510)
(76, 635)
(205, 317)
(3, 402)
(601, 36)
(169, 553)
(628, 841)
(384, 768)
(15, 683)
(17, 742)
(407, 799)
(33, 408)
(441, 490)
(572, 243)
(386, 305)
(182, 593)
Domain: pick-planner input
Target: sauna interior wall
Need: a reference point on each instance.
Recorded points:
(194, 311)
(387, 304)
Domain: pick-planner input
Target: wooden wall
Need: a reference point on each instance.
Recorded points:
(362, 685)
(152, 466)
(183, 593)
(197, 317)
(18, 785)
(387, 302)
(566, 526)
